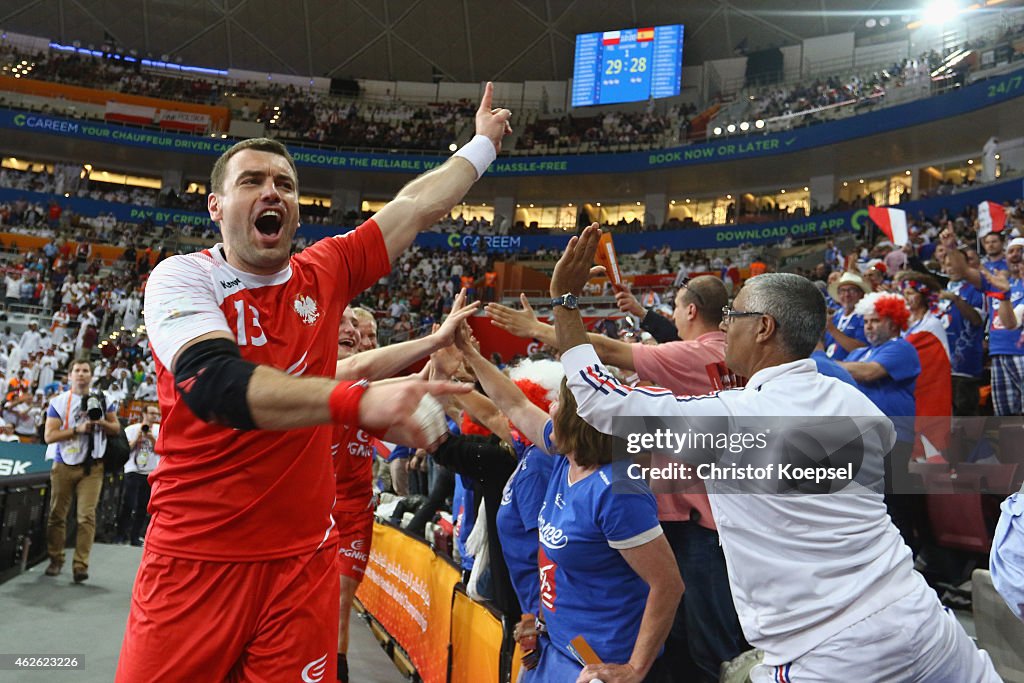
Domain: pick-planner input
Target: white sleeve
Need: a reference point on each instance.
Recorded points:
(181, 304)
(600, 397)
(132, 431)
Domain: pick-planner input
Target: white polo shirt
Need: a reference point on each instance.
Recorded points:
(802, 567)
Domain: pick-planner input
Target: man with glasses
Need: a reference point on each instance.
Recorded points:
(143, 459)
(823, 584)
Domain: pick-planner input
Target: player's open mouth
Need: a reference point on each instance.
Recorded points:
(269, 222)
(347, 343)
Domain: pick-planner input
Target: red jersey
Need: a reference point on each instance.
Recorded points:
(221, 493)
(352, 451)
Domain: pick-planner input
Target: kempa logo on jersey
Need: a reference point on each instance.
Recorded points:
(307, 310)
(315, 670)
(231, 283)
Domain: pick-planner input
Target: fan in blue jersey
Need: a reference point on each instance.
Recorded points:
(845, 329)
(962, 309)
(606, 571)
(1005, 290)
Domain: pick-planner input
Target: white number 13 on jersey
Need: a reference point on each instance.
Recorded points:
(257, 339)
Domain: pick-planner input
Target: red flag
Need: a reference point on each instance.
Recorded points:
(991, 218)
(933, 391)
(893, 222)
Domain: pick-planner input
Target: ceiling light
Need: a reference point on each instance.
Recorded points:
(759, 123)
(745, 126)
(717, 130)
(731, 128)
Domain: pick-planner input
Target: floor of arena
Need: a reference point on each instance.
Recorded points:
(54, 616)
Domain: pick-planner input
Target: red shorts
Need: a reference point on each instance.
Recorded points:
(194, 620)
(356, 530)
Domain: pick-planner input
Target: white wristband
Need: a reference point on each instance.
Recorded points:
(480, 152)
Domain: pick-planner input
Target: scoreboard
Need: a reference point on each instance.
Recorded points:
(629, 65)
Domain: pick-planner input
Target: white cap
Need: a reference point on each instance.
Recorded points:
(1016, 242)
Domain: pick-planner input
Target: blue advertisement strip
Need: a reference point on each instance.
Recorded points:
(17, 459)
(970, 98)
(711, 237)
(124, 213)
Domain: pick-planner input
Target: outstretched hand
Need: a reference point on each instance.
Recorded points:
(519, 323)
(576, 265)
(490, 121)
(459, 313)
(391, 407)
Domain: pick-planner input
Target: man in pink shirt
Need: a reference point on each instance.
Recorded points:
(694, 365)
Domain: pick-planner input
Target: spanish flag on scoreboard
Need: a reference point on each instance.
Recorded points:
(611, 37)
(644, 34)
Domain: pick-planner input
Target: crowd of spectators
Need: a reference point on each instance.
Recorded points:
(110, 72)
(313, 117)
(613, 129)
(301, 115)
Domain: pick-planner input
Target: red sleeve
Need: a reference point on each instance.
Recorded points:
(357, 258)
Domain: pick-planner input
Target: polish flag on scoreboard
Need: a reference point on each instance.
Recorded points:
(611, 37)
(893, 222)
(991, 218)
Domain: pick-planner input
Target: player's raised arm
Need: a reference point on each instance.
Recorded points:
(431, 196)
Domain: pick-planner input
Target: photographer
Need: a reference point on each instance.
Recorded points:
(132, 519)
(78, 422)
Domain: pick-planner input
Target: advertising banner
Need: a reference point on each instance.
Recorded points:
(408, 588)
(970, 98)
(476, 642)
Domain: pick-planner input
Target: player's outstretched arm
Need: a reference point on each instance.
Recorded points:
(431, 196)
(386, 361)
(220, 387)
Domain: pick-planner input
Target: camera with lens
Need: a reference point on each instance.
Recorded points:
(145, 429)
(92, 405)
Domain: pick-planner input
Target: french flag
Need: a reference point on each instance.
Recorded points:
(991, 218)
(611, 37)
(893, 222)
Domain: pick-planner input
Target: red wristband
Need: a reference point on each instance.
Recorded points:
(344, 402)
(344, 405)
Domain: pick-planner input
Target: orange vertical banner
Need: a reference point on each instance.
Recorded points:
(476, 642)
(408, 589)
(607, 257)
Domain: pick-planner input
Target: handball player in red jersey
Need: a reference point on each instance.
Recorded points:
(353, 450)
(239, 577)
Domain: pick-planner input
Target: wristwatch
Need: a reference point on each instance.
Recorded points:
(568, 300)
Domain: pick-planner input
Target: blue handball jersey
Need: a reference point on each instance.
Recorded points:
(966, 355)
(852, 326)
(586, 587)
(1001, 341)
(894, 393)
(517, 518)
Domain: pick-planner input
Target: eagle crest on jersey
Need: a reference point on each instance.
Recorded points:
(307, 310)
